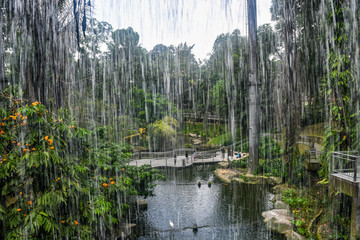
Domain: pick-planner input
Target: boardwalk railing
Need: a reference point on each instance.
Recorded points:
(161, 155)
(346, 163)
(312, 156)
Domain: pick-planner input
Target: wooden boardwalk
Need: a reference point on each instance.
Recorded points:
(181, 161)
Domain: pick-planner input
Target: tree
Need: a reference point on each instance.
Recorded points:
(253, 89)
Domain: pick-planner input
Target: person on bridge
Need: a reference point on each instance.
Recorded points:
(223, 152)
(175, 159)
(187, 156)
(194, 155)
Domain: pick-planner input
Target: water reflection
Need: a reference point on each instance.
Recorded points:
(222, 211)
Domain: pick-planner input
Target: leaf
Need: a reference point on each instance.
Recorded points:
(44, 214)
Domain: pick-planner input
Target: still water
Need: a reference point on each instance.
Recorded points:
(221, 211)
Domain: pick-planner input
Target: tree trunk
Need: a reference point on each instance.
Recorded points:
(253, 89)
(291, 110)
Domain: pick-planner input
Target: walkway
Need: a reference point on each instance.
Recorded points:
(181, 160)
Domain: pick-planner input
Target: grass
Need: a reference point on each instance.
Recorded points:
(197, 128)
(225, 139)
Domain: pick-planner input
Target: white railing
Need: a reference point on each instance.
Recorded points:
(346, 163)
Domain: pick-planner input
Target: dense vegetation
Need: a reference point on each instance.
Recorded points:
(56, 182)
(74, 88)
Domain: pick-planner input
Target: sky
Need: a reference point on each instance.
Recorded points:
(171, 22)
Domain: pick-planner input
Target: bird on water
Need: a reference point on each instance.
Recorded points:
(171, 224)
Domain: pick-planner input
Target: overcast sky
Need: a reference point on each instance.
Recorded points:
(169, 22)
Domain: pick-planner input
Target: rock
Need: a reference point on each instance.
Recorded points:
(291, 235)
(275, 180)
(278, 197)
(196, 141)
(125, 230)
(141, 204)
(278, 220)
(224, 164)
(193, 135)
(252, 179)
(240, 180)
(280, 205)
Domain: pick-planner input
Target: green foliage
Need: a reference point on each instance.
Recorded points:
(225, 139)
(60, 180)
(268, 148)
(219, 95)
(293, 199)
(211, 131)
(271, 167)
(242, 163)
(164, 131)
(158, 106)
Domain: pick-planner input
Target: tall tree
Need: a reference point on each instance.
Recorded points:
(253, 89)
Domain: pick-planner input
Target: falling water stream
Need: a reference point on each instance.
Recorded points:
(220, 211)
(86, 94)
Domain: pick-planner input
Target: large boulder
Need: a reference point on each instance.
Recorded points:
(280, 205)
(141, 204)
(291, 235)
(124, 230)
(278, 220)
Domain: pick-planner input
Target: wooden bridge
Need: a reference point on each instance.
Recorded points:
(168, 159)
(345, 178)
(345, 172)
(199, 117)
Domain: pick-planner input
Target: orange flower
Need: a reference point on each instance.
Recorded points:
(111, 179)
(25, 214)
(2, 132)
(123, 169)
(50, 141)
(112, 182)
(3, 124)
(105, 184)
(19, 144)
(29, 203)
(33, 149)
(51, 147)
(19, 209)
(46, 138)
(34, 165)
(4, 159)
(20, 193)
(13, 141)
(63, 221)
(76, 223)
(35, 103)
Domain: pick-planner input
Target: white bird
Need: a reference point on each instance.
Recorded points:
(171, 224)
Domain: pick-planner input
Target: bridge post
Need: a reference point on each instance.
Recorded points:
(355, 215)
(356, 168)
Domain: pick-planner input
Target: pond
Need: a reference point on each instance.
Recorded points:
(221, 211)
